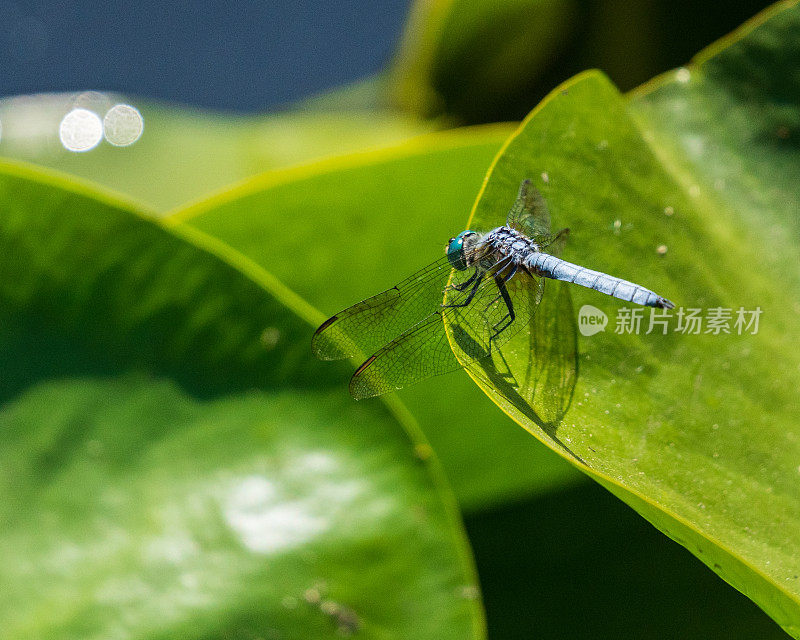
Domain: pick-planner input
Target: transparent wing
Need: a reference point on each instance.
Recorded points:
(371, 323)
(424, 350)
(529, 213)
(536, 370)
(553, 369)
(554, 245)
(421, 352)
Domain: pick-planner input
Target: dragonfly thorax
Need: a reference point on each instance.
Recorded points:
(509, 242)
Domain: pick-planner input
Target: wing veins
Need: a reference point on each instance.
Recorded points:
(384, 315)
(380, 373)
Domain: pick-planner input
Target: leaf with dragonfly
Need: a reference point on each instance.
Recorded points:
(695, 428)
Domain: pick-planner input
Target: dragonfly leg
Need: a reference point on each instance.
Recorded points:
(465, 284)
(479, 276)
(505, 279)
(501, 285)
(473, 291)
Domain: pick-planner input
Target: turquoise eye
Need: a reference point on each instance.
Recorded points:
(456, 245)
(455, 251)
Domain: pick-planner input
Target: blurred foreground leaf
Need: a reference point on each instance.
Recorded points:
(174, 462)
(349, 228)
(185, 153)
(473, 59)
(695, 183)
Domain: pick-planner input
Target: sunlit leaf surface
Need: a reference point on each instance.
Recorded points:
(690, 189)
(174, 462)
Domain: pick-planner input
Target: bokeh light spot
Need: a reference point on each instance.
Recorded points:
(123, 125)
(80, 130)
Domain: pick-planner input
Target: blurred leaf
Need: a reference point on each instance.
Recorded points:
(185, 153)
(176, 465)
(471, 59)
(699, 433)
(481, 61)
(352, 227)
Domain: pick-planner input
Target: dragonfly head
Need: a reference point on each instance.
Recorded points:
(457, 247)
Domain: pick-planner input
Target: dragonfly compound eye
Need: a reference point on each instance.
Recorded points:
(455, 251)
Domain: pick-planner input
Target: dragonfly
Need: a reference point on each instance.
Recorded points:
(487, 286)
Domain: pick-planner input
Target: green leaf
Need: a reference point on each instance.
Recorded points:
(185, 153)
(175, 464)
(349, 228)
(730, 122)
(471, 59)
(689, 189)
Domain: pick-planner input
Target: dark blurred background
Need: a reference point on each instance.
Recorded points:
(246, 56)
(256, 55)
